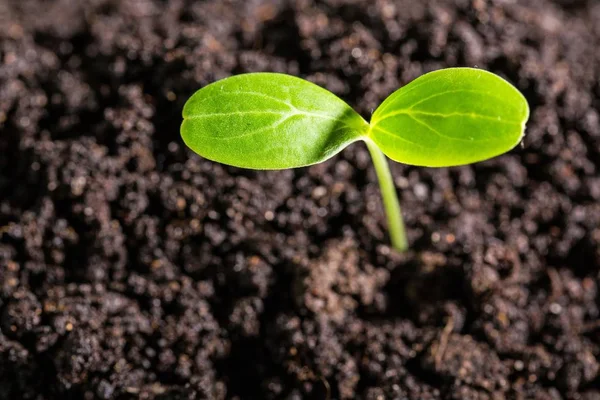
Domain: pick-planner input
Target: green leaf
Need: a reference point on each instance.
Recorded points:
(450, 117)
(268, 121)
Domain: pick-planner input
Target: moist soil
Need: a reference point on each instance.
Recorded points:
(132, 268)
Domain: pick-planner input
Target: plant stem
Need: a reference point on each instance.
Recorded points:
(390, 197)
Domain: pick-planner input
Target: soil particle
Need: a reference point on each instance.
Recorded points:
(77, 355)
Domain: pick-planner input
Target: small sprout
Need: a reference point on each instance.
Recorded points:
(445, 118)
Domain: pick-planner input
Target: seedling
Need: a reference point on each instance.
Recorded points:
(445, 118)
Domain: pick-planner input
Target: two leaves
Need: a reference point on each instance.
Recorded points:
(448, 117)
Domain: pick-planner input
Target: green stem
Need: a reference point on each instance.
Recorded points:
(390, 197)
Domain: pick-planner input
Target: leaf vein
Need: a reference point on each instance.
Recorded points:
(236, 92)
(443, 94)
(419, 121)
(380, 129)
(406, 89)
(449, 115)
(454, 91)
(281, 121)
(259, 130)
(266, 96)
(241, 113)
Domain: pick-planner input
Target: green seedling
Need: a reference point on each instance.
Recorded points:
(445, 118)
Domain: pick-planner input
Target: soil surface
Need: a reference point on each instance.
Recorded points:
(132, 268)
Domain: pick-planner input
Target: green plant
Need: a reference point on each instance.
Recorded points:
(444, 118)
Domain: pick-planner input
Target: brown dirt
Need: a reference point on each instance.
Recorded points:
(132, 268)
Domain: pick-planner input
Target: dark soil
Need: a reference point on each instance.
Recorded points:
(132, 268)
